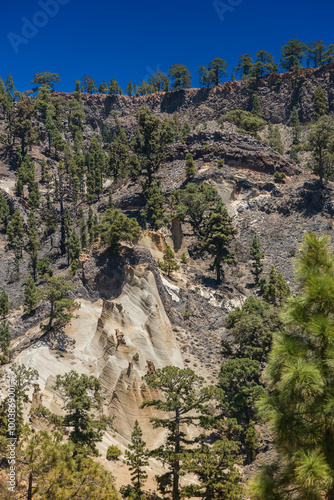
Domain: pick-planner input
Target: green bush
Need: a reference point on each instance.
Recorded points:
(186, 314)
(279, 177)
(184, 259)
(113, 453)
(245, 121)
(221, 163)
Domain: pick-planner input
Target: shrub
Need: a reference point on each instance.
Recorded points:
(113, 453)
(279, 177)
(184, 259)
(245, 121)
(186, 314)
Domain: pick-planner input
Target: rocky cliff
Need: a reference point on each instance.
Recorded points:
(278, 94)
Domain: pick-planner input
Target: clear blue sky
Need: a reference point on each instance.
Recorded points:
(131, 39)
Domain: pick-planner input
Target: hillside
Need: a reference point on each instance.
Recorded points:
(135, 317)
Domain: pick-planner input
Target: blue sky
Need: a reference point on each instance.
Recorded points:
(130, 40)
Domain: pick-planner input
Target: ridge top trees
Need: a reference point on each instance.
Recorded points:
(292, 55)
(213, 73)
(245, 64)
(46, 78)
(180, 76)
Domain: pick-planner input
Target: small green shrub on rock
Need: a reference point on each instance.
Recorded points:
(113, 453)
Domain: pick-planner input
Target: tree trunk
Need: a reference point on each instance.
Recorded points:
(330, 494)
(29, 495)
(321, 167)
(176, 470)
(218, 261)
(51, 314)
(63, 232)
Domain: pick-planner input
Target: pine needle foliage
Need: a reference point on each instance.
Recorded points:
(300, 380)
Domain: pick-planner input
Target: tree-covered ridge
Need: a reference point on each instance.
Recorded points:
(295, 55)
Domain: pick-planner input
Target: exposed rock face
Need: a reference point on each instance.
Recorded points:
(113, 340)
(278, 94)
(150, 367)
(235, 149)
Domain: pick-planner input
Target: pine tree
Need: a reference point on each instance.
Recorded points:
(81, 395)
(149, 144)
(114, 88)
(2, 87)
(190, 166)
(10, 84)
(245, 64)
(30, 295)
(136, 458)
(102, 88)
(185, 399)
(49, 468)
(4, 212)
(57, 294)
(320, 103)
(250, 338)
(275, 140)
(257, 255)
(90, 225)
(292, 55)
(329, 54)
(186, 129)
(83, 235)
(129, 89)
(4, 304)
(155, 205)
(43, 267)
(264, 63)
(218, 235)
(300, 383)
(15, 227)
(315, 53)
(295, 124)
(276, 290)
(217, 70)
(5, 338)
(180, 76)
(116, 227)
(74, 248)
(215, 468)
(256, 105)
(34, 243)
(169, 263)
(194, 204)
(321, 142)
